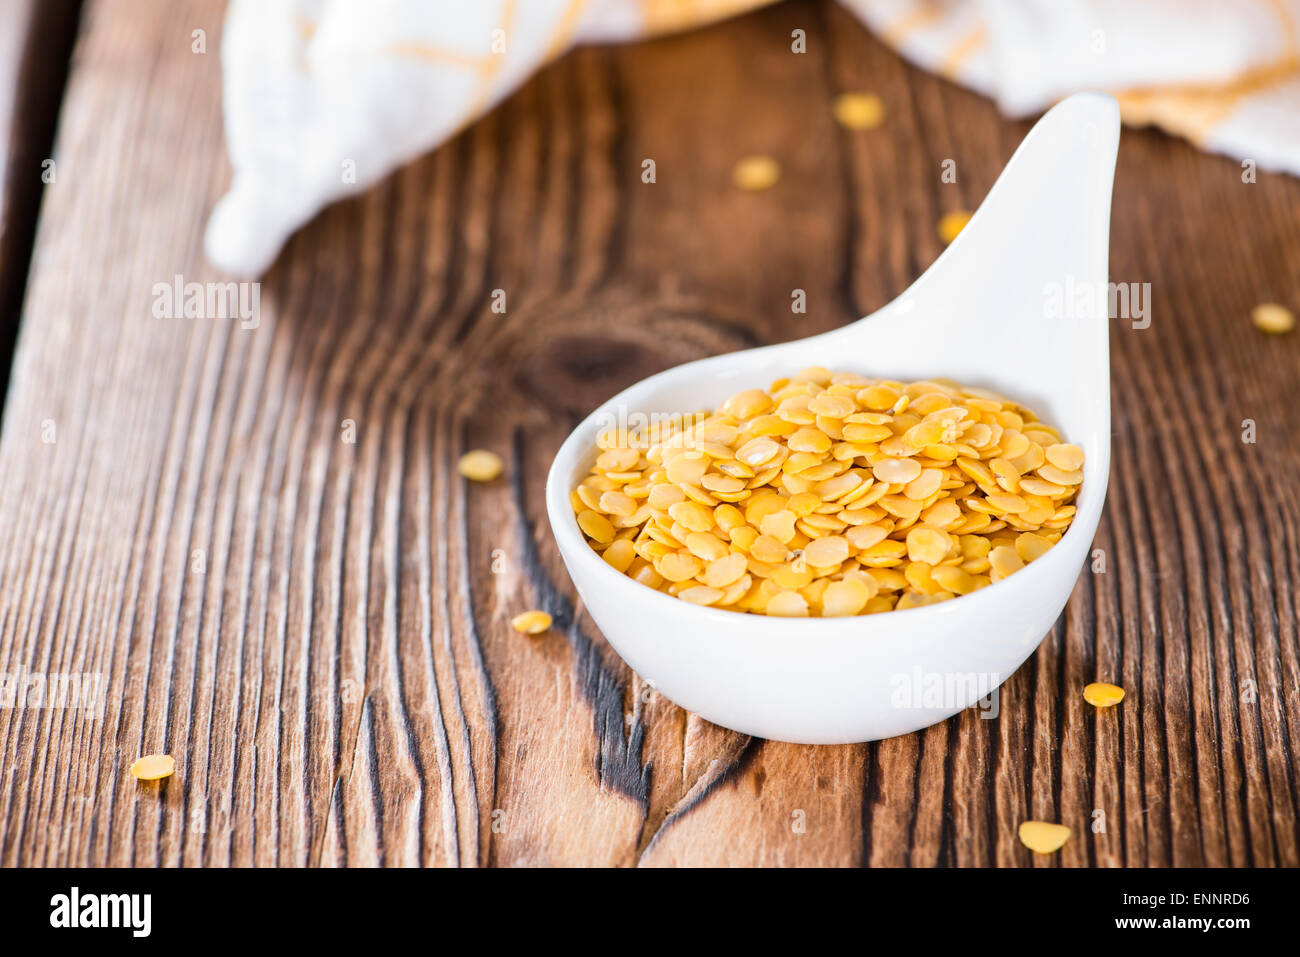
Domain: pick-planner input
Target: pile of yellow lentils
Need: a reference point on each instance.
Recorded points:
(830, 494)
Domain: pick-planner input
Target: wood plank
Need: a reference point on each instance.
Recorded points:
(318, 628)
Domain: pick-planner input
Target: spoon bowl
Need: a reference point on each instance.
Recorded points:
(1017, 304)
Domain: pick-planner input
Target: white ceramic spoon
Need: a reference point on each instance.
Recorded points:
(1004, 307)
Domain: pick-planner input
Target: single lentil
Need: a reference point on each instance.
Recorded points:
(1099, 694)
(480, 465)
(154, 767)
(1043, 837)
(859, 111)
(831, 494)
(756, 173)
(1273, 318)
(531, 622)
(950, 224)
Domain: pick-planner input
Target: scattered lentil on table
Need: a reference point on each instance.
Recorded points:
(480, 465)
(859, 111)
(1043, 837)
(1273, 318)
(531, 622)
(154, 767)
(832, 494)
(950, 224)
(1099, 694)
(755, 173)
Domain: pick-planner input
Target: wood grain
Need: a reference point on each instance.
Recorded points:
(318, 628)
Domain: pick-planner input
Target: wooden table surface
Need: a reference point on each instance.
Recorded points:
(318, 629)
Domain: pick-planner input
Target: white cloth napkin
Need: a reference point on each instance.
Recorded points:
(322, 98)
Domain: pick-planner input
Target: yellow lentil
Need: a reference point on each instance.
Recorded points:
(896, 471)
(845, 597)
(779, 525)
(700, 594)
(1060, 476)
(1273, 317)
(767, 549)
(679, 566)
(1066, 457)
(1102, 695)
(620, 554)
(788, 604)
(617, 503)
(154, 767)
(480, 465)
(1030, 546)
(859, 111)
(926, 545)
(531, 622)
(1043, 837)
(756, 172)
(831, 494)
(596, 526)
(726, 571)
(827, 552)
(955, 579)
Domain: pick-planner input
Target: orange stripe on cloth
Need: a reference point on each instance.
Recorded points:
(960, 53)
(1194, 111)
